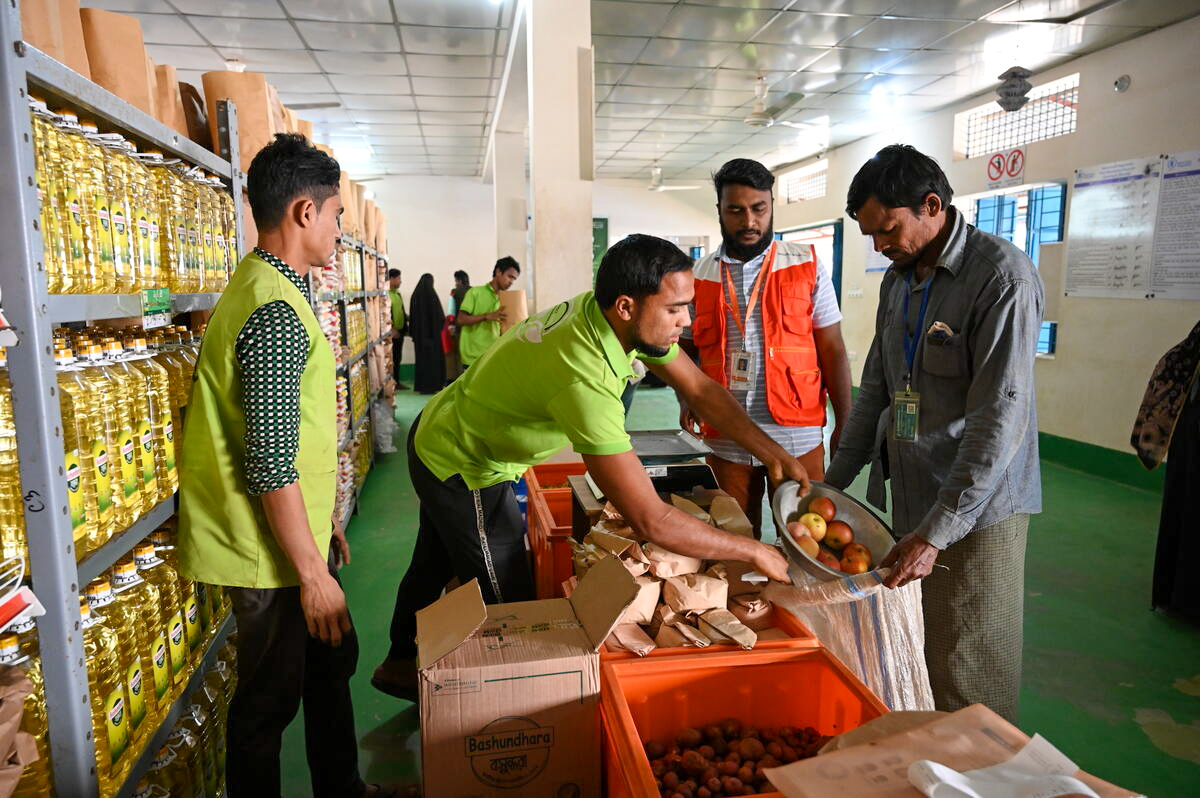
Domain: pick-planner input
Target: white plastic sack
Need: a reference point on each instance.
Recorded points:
(878, 633)
(385, 427)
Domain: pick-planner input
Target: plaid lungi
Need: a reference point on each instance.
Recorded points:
(973, 617)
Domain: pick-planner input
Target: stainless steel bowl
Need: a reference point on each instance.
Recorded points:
(869, 529)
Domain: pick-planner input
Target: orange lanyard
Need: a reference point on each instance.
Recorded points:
(734, 305)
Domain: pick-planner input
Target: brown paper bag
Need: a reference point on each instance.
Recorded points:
(679, 635)
(516, 309)
(304, 128)
(116, 55)
(728, 515)
(17, 749)
(695, 593)
(721, 625)
(251, 94)
(619, 546)
(55, 28)
(360, 200)
(755, 612)
(643, 606)
(152, 82)
(196, 114)
(772, 633)
(691, 508)
(630, 637)
(168, 100)
(734, 571)
(665, 563)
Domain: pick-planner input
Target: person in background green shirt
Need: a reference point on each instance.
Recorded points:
(556, 379)
(479, 317)
(399, 325)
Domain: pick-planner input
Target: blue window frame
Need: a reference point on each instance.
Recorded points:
(1048, 340)
(1046, 212)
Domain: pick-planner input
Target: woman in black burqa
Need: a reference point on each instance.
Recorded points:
(426, 319)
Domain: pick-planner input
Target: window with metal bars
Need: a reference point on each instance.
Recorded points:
(806, 183)
(1051, 111)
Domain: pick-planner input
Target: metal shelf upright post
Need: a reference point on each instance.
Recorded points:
(32, 311)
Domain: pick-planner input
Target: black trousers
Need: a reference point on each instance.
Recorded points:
(397, 356)
(279, 668)
(471, 534)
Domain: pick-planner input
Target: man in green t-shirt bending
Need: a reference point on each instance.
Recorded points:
(479, 317)
(556, 379)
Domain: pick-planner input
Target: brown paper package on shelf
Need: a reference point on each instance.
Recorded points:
(360, 208)
(152, 82)
(304, 128)
(695, 593)
(376, 218)
(350, 216)
(382, 246)
(117, 56)
(368, 223)
(277, 111)
(515, 305)
(665, 563)
(54, 27)
(643, 607)
(196, 114)
(291, 123)
(168, 100)
(249, 229)
(17, 748)
(720, 625)
(250, 93)
(630, 637)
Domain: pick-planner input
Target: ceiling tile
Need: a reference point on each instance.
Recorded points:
(617, 123)
(812, 30)
(448, 41)
(727, 79)
(470, 87)
(453, 131)
(674, 77)
(195, 58)
(892, 84)
(392, 149)
(773, 57)
(1131, 13)
(665, 124)
(845, 59)
(327, 115)
(271, 60)
(763, 5)
(713, 97)
(637, 111)
(672, 137)
(627, 19)
(452, 103)
(601, 92)
(342, 11)
(299, 82)
(682, 52)
(903, 34)
(350, 36)
(377, 133)
(455, 13)
(1033, 38)
(932, 62)
(290, 98)
(809, 83)
(451, 66)
(266, 9)
(641, 94)
(379, 102)
(452, 141)
(378, 84)
(236, 32)
(714, 24)
(386, 117)
(451, 118)
(618, 49)
(168, 29)
(969, 10)
(362, 63)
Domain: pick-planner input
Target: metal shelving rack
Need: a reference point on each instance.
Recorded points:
(33, 312)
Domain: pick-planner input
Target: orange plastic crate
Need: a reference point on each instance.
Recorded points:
(799, 636)
(653, 699)
(552, 474)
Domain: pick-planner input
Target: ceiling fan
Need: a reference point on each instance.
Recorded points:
(762, 116)
(656, 182)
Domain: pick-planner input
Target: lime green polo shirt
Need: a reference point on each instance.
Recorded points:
(555, 378)
(397, 309)
(474, 339)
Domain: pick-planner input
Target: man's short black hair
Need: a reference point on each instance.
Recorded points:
(635, 267)
(743, 172)
(287, 168)
(506, 263)
(393, 273)
(465, 278)
(898, 176)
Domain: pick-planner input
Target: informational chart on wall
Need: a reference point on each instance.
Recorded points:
(1132, 229)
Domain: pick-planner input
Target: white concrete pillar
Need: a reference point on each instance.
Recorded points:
(510, 191)
(559, 40)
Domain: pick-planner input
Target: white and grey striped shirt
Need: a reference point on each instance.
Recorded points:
(796, 440)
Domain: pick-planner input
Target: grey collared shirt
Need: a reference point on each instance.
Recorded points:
(975, 460)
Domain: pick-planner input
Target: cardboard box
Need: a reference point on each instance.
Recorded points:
(510, 694)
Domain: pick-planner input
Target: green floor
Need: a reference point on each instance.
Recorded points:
(1112, 684)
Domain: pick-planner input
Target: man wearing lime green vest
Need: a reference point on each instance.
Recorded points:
(258, 481)
(479, 317)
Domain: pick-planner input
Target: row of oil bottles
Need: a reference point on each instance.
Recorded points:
(116, 221)
(145, 631)
(121, 400)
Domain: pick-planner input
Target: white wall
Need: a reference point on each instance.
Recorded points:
(631, 208)
(1107, 348)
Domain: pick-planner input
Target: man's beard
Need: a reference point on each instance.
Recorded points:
(742, 252)
(650, 349)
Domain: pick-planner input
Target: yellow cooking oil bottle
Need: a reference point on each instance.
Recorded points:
(172, 240)
(163, 539)
(47, 171)
(157, 573)
(13, 542)
(78, 186)
(95, 171)
(109, 494)
(15, 651)
(116, 181)
(190, 750)
(127, 472)
(176, 375)
(143, 200)
(110, 701)
(202, 725)
(164, 415)
(131, 587)
(132, 652)
(141, 416)
(169, 776)
(79, 437)
(211, 698)
(191, 213)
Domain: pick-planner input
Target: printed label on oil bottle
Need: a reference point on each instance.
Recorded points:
(74, 474)
(178, 647)
(117, 723)
(162, 667)
(137, 698)
(103, 239)
(169, 446)
(103, 476)
(192, 613)
(149, 475)
(129, 463)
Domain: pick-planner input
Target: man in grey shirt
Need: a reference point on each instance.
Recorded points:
(946, 409)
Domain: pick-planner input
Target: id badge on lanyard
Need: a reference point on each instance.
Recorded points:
(906, 405)
(743, 364)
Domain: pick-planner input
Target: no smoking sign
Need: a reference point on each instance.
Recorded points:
(1006, 168)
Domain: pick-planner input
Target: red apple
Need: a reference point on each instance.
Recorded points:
(808, 545)
(824, 507)
(855, 565)
(857, 550)
(815, 524)
(838, 535)
(829, 560)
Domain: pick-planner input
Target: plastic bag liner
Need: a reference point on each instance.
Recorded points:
(385, 427)
(878, 633)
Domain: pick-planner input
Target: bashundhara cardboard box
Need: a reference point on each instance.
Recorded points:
(510, 693)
